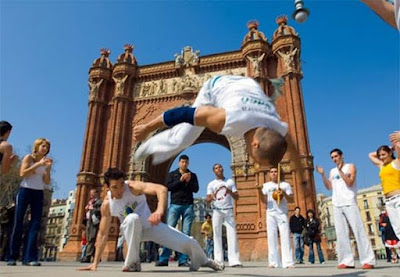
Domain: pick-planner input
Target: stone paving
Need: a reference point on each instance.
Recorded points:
(251, 269)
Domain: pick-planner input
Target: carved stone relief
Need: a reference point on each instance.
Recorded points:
(172, 86)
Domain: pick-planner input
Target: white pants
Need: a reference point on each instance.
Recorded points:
(225, 217)
(343, 246)
(279, 221)
(165, 235)
(171, 142)
(393, 210)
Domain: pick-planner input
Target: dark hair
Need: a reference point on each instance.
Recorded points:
(386, 149)
(297, 208)
(207, 215)
(183, 157)
(337, 150)
(311, 211)
(113, 173)
(5, 126)
(216, 165)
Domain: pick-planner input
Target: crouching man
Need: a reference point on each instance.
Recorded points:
(127, 201)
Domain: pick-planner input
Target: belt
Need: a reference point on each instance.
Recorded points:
(392, 197)
(222, 209)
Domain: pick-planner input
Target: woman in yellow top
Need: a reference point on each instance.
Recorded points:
(390, 178)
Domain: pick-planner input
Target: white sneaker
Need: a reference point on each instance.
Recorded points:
(134, 267)
(217, 266)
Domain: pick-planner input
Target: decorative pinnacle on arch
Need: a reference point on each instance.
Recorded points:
(253, 24)
(282, 19)
(129, 47)
(105, 52)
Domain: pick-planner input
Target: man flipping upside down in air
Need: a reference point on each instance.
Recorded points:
(227, 105)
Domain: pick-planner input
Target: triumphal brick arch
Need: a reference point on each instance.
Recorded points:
(125, 94)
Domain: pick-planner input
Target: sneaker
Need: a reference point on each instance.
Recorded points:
(323, 263)
(11, 262)
(217, 266)
(184, 264)
(158, 263)
(368, 266)
(134, 267)
(343, 266)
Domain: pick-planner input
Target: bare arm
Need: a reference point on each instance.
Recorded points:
(374, 159)
(350, 177)
(205, 116)
(327, 183)
(383, 9)
(27, 170)
(7, 157)
(235, 195)
(209, 198)
(102, 235)
(395, 140)
(138, 187)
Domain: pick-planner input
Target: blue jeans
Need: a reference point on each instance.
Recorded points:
(174, 213)
(33, 198)
(298, 246)
(210, 248)
(311, 257)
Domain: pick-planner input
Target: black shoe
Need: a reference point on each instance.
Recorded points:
(184, 264)
(85, 260)
(158, 263)
(237, 265)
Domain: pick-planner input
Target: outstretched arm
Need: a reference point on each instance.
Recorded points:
(205, 116)
(395, 140)
(383, 9)
(102, 236)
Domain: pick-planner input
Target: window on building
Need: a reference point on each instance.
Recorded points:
(365, 204)
(370, 229)
(373, 242)
(368, 216)
(381, 202)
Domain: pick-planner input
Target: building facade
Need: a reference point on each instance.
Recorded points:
(69, 209)
(124, 94)
(54, 229)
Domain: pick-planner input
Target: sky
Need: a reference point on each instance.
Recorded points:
(350, 63)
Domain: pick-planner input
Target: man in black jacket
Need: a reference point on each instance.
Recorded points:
(182, 183)
(297, 223)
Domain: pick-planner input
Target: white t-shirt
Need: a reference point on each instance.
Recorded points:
(128, 204)
(342, 195)
(245, 103)
(222, 199)
(35, 181)
(272, 205)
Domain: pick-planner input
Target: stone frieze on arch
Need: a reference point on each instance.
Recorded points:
(177, 85)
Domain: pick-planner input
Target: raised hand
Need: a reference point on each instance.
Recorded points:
(395, 138)
(319, 169)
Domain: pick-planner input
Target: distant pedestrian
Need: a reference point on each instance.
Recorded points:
(314, 236)
(297, 225)
(207, 231)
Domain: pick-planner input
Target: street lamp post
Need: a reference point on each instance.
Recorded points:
(301, 13)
